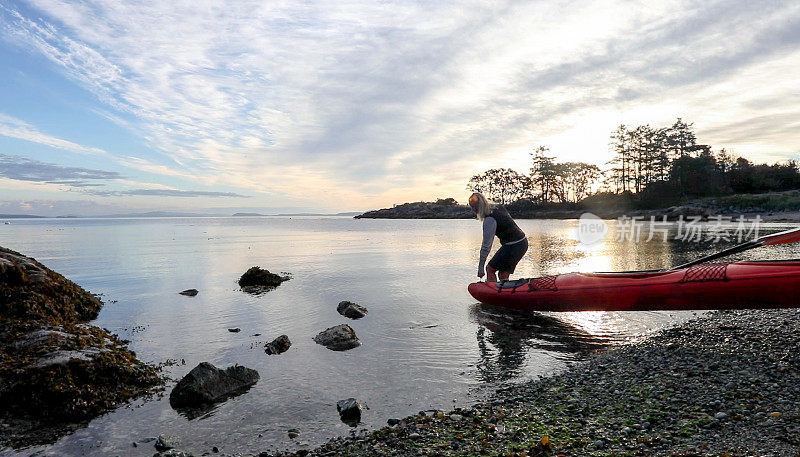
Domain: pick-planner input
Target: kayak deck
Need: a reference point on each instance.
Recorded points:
(732, 285)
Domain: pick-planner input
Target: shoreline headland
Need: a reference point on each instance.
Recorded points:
(771, 207)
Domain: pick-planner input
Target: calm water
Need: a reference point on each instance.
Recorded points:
(426, 342)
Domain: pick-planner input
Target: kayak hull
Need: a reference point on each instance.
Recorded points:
(735, 285)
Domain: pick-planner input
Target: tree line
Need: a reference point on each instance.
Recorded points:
(651, 166)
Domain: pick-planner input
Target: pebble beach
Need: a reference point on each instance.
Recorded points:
(724, 384)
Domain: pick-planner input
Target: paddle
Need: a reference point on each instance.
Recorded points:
(787, 236)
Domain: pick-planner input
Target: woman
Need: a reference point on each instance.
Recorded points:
(497, 222)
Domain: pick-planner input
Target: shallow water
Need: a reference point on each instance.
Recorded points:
(426, 342)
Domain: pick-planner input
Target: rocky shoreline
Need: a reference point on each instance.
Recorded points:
(725, 384)
(433, 210)
(57, 372)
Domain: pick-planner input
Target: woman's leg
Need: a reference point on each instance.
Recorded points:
(491, 274)
(503, 275)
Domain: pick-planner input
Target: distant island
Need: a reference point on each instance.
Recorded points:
(770, 206)
(19, 216)
(443, 208)
(156, 214)
(351, 213)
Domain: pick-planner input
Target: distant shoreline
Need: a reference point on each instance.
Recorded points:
(773, 207)
(154, 215)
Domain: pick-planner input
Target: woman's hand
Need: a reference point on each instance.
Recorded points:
(481, 273)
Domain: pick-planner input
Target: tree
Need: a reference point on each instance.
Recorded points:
(581, 177)
(543, 172)
(699, 176)
(621, 170)
(562, 182)
(502, 185)
(681, 138)
(450, 201)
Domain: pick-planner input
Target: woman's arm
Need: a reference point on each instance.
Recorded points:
(489, 227)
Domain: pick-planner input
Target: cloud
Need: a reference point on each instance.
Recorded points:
(22, 169)
(15, 128)
(360, 101)
(84, 179)
(165, 193)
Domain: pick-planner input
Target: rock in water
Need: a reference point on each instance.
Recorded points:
(189, 292)
(351, 310)
(165, 442)
(339, 338)
(256, 280)
(349, 411)
(279, 345)
(207, 384)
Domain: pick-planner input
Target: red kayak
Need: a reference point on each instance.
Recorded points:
(735, 285)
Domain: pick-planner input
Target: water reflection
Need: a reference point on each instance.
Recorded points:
(507, 338)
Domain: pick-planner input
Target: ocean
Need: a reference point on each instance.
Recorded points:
(426, 343)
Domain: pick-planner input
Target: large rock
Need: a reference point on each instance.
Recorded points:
(207, 384)
(31, 291)
(349, 411)
(56, 370)
(279, 345)
(351, 310)
(257, 279)
(339, 338)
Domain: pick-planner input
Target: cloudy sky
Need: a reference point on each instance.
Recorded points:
(123, 105)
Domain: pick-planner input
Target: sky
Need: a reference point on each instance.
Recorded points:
(119, 106)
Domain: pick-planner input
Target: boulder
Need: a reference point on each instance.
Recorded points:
(31, 291)
(349, 411)
(207, 384)
(351, 310)
(256, 280)
(279, 345)
(189, 292)
(339, 338)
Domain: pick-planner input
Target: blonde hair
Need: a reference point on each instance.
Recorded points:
(483, 208)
